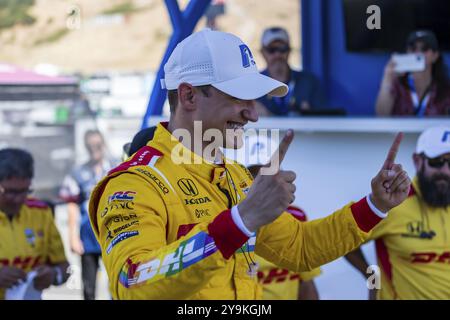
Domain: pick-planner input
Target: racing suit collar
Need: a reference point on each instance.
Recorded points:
(164, 141)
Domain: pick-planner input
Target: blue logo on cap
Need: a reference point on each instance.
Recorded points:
(446, 136)
(247, 56)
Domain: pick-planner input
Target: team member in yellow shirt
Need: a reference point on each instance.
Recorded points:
(413, 243)
(29, 239)
(177, 221)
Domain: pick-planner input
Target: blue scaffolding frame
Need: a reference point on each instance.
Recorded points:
(183, 23)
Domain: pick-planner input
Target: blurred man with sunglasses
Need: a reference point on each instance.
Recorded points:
(76, 190)
(413, 243)
(29, 240)
(305, 91)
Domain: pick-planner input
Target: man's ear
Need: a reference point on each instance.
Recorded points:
(186, 95)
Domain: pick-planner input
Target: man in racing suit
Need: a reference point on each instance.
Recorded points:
(177, 222)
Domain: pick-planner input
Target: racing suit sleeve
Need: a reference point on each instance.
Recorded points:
(303, 246)
(140, 263)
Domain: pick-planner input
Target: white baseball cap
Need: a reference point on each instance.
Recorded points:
(434, 142)
(272, 34)
(222, 60)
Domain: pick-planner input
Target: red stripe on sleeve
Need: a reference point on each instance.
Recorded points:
(363, 215)
(226, 234)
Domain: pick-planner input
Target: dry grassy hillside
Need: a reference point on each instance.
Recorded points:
(134, 38)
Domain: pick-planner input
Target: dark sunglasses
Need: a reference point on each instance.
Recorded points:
(272, 50)
(15, 192)
(438, 162)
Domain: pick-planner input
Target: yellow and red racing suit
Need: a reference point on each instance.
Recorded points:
(166, 230)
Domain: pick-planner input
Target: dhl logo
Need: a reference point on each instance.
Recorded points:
(428, 257)
(276, 275)
(21, 262)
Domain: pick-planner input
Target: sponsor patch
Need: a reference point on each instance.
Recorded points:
(122, 196)
(119, 238)
(202, 212)
(188, 187)
(31, 238)
(197, 200)
(120, 218)
(158, 182)
(125, 205)
(189, 252)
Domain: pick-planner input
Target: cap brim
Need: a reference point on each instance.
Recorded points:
(434, 152)
(252, 86)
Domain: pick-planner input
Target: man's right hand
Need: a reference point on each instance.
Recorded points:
(389, 72)
(390, 187)
(10, 276)
(76, 245)
(269, 195)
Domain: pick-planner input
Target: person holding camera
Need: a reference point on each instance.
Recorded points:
(423, 93)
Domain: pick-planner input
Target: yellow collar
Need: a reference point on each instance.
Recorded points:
(165, 142)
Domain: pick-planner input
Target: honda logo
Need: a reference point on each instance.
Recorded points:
(188, 187)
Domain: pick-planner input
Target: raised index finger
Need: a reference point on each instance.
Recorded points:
(390, 159)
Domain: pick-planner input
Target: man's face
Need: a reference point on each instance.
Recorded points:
(95, 147)
(13, 193)
(434, 179)
(220, 111)
(276, 53)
